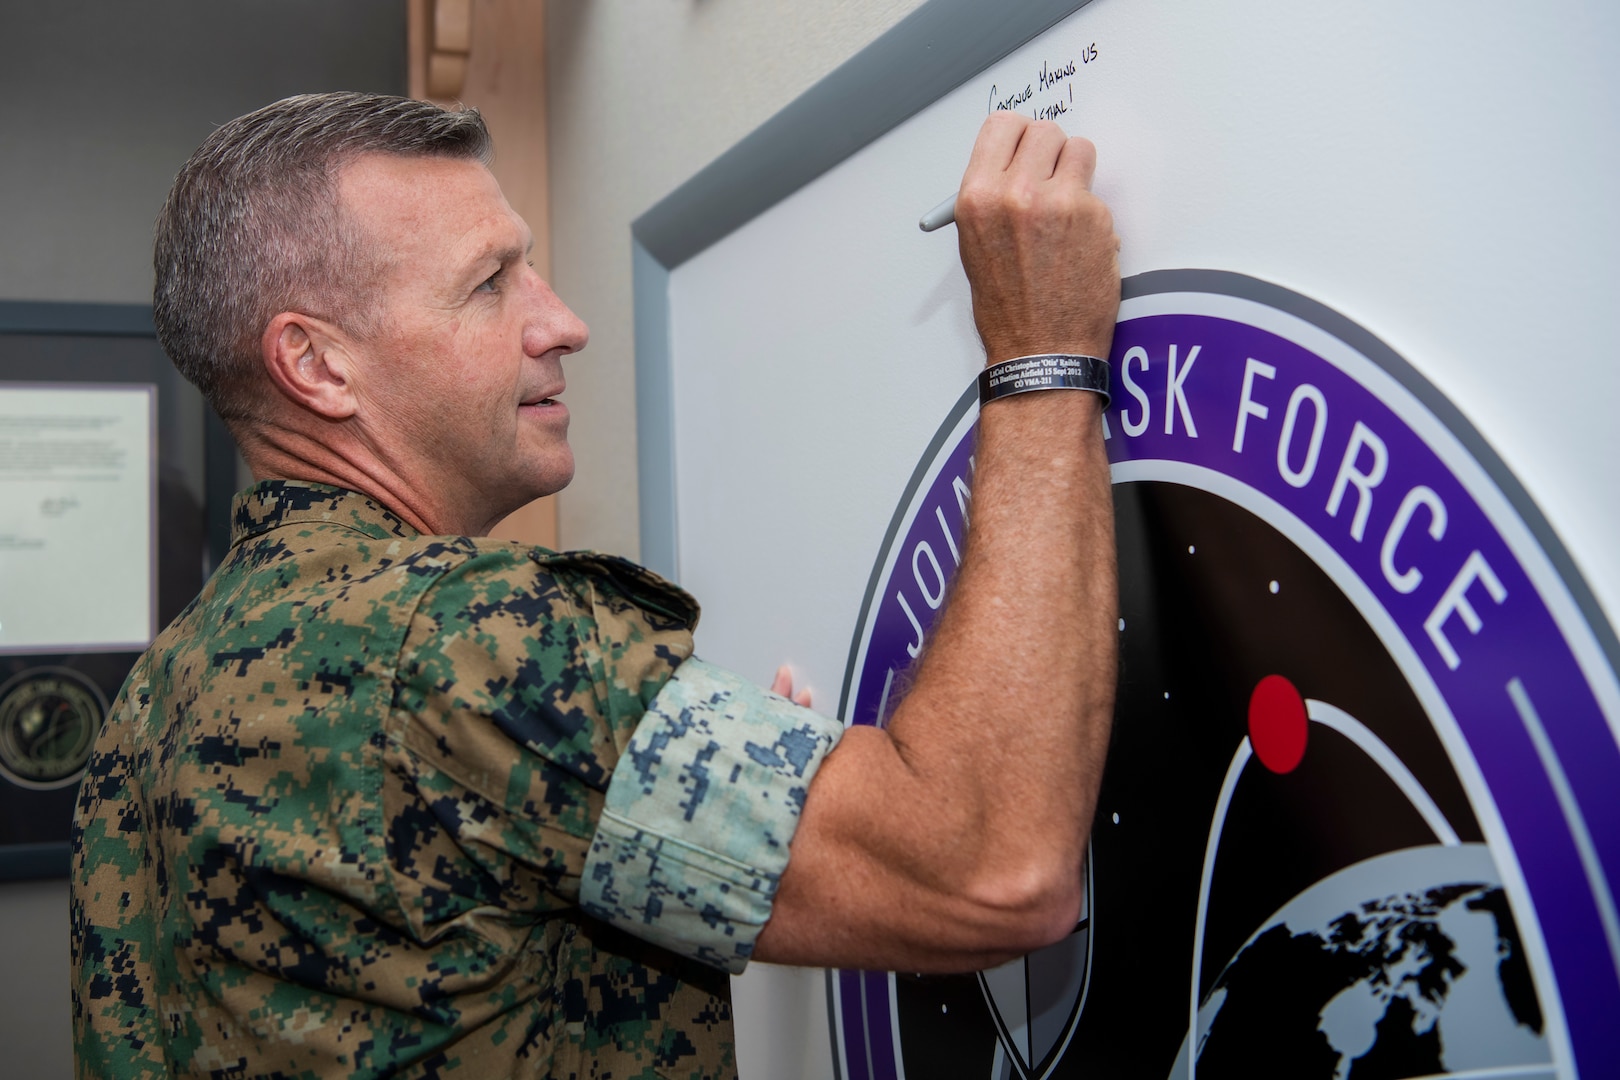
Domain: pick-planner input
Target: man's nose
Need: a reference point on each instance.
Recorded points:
(552, 324)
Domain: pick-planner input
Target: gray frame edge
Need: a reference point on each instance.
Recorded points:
(655, 415)
(36, 862)
(924, 56)
(51, 317)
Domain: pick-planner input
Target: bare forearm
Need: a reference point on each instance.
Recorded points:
(1007, 722)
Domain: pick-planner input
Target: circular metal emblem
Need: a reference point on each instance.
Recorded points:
(49, 718)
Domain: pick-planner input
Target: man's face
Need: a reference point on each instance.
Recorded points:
(458, 385)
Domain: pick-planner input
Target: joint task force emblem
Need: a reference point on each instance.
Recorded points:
(1358, 814)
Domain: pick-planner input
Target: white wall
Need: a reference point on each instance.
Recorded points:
(642, 96)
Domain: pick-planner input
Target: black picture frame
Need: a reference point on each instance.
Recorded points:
(197, 474)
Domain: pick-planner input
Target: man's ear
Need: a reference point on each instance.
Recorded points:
(309, 365)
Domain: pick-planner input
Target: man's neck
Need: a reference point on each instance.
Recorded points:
(274, 453)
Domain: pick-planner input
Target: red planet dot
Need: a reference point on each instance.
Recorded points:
(1277, 724)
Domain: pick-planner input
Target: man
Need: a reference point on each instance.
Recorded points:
(390, 799)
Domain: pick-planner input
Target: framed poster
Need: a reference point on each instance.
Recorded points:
(115, 485)
(77, 487)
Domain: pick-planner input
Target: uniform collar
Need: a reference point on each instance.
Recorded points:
(271, 504)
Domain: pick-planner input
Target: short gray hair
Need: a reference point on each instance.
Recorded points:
(253, 227)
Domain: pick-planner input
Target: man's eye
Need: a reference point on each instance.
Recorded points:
(490, 283)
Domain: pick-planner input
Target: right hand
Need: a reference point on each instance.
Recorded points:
(1038, 247)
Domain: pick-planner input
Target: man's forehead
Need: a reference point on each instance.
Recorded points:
(414, 200)
(379, 168)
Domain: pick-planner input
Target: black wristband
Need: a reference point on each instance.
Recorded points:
(1048, 371)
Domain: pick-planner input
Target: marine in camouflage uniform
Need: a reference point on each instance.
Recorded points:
(387, 804)
(384, 802)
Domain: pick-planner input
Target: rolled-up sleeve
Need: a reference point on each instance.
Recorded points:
(701, 809)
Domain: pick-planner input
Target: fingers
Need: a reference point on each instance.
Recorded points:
(997, 142)
(1010, 142)
(1037, 153)
(1018, 156)
(782, 686)
(1077, 162)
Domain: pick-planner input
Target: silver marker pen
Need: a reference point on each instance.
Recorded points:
(940, 216)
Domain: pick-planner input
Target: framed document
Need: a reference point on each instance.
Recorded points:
(77, 514)
(115, 485)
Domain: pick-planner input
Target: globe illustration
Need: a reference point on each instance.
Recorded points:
(1425, 977)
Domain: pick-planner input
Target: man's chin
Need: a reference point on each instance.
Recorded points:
(557, 476)
(552, 478)
(545, 477)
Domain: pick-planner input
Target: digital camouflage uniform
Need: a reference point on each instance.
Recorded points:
(384, 804)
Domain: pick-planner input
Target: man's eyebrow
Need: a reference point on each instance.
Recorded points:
(507, 255)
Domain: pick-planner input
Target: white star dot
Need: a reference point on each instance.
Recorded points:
(1122, 624)
(1274, 588)
(1191, 548)
(1116, 817)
